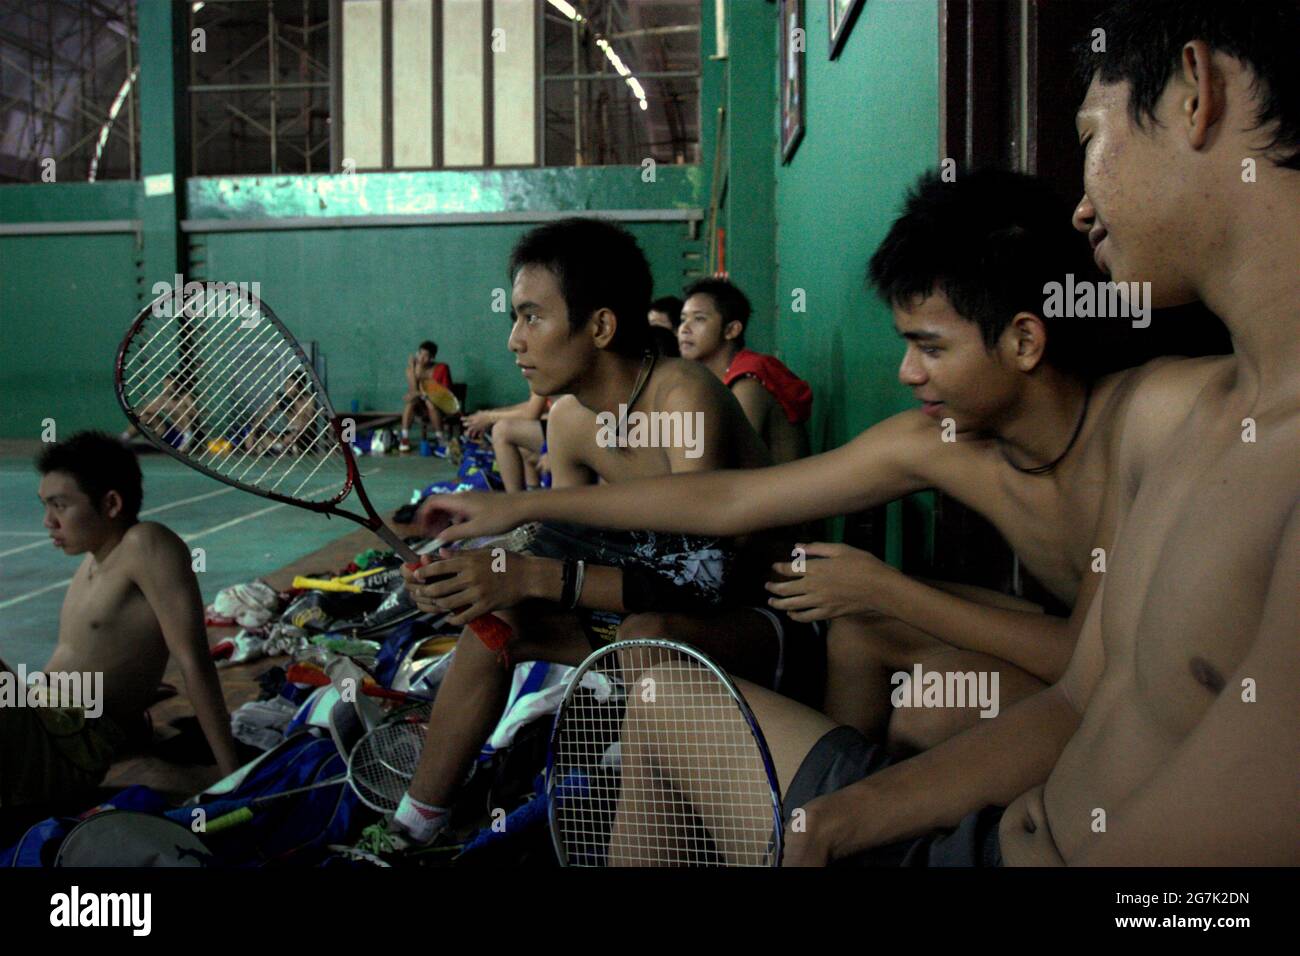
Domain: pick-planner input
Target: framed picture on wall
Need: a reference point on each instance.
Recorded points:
(840, 16)
(793, 44)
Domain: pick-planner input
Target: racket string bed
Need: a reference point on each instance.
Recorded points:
(693, 787)
(241, 373)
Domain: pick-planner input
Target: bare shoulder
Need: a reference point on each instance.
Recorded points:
(1164, 390)
(565, 410)
(679, 383)
(154, 542)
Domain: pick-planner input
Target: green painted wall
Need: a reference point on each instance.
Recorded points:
(64, 304)
(369, 296)
(871, 120)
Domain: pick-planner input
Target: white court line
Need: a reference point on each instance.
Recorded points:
(143, 514)
(187, 538)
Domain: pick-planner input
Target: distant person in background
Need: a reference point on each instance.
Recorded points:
(665, 315)
(422, 368)
(172, 413)
(776, 401)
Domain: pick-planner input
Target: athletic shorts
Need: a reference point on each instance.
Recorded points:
(52, 754)
(694, 567)
(843, 757)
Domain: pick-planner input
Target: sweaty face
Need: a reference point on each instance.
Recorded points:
(550, 355)
(1135, 210)
(947, 367)
(70, 517)
(700, 335)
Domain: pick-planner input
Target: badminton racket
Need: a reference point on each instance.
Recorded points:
(379, 769)
(268, 427)
(656, 760)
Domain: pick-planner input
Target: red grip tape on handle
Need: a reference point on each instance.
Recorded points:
(490, 629)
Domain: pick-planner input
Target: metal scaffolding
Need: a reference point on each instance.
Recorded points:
(259, 91)
(67, 90)
(593, 112)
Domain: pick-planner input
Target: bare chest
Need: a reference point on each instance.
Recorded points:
(100, 608)
(1186, 586)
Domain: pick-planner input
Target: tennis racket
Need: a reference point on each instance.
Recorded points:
(268, 427)
(656, 760)
(379, 769)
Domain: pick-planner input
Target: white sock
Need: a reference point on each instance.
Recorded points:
(421, 821)
(406, 433)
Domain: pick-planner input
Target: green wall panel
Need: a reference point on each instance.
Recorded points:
(369, 296)
(65, 302)
(64, 202)
(871, 129)
(422, 193)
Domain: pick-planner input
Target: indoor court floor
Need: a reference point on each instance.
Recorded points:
(242, 535)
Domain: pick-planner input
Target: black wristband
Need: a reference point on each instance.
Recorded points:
(569, 582)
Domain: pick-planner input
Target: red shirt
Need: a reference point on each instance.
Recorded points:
(794, 394)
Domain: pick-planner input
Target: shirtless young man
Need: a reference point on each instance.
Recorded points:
(776, 401)
(580, 293)
(1177, 722)
(980, 355)
(133, 601)
(422, 368)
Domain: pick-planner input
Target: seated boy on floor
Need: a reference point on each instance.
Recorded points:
(964, 269)
(133, 601)
(580, 292)
(776, 401)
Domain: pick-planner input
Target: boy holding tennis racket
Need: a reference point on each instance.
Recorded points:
(581, 288)
(132, 603)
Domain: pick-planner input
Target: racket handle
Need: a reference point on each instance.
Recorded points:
(228, 820)
(490, 629)
(311, 676)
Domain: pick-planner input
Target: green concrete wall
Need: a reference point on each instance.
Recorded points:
(871, 127)
(369, 296)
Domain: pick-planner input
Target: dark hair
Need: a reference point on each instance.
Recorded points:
(731, 303)
(670, 306)
(430, 347)
(598, 265)
(990, 241)
(100, 463)
(664, 342)
(1144, 41)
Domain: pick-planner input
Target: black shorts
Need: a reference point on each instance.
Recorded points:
(843, 757)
